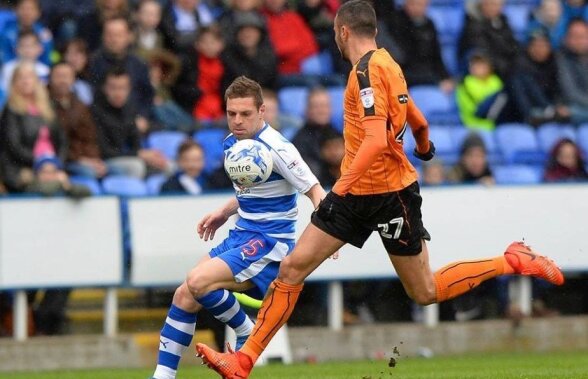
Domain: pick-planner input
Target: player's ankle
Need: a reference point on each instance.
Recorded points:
(245, 360)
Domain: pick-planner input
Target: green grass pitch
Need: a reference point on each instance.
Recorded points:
(572, 365)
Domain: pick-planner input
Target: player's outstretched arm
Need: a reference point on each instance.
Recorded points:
(209, 224)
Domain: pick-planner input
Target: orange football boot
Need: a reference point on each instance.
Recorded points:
(526, 262)
(231, 365)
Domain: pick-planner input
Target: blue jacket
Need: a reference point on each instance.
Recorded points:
(9, 39)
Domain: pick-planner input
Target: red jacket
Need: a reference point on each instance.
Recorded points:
(291, 38)
(210, 74)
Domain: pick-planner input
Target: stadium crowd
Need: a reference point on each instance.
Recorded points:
(126, 96)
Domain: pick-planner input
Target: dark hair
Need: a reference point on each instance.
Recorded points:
(359, 16)
(115, 72)
(75, 43)
(187, 145)
(117, 18)
(212, 29)
(28, 33)
(269, 94)
(329, 135)
(62, 63)
(243, 87)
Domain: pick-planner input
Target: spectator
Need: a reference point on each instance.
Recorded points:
(433, 173)
(147, 37)
(473, 165)
(61, 17)
(549, 18)
(28, 129)
(51, 180)
(318, 120)
(164, 68)
(76, 54)
(28, 13)
(229, 20)
(209, 45)
(115, 53)
(181, 21)
(188, 179)
(28, 49)
(486, 28)
(332, 150)
(572, 63)
(83, 153)
(273, 116)
(250, 53)
(417, 36)
(565, 163)
(320, 16)
(479, 95)
(119, 135)
(291, 48)
(535, 86)
(90, 27)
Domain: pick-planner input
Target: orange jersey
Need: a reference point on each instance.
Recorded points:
(376, 91)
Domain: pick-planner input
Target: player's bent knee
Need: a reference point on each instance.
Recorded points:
(290, 272)
(198, 285)
(425, 297)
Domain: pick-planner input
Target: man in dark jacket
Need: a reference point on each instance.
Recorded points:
(572, 63)
(417, 37)
(115, 52)
(118, 132)
(250, 54)
(486, 28)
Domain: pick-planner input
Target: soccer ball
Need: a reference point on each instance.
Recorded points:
(248, 163)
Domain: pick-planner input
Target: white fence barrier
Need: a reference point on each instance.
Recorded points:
(58, 242)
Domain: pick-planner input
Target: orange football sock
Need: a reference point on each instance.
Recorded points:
(460, 277)
(276, 309)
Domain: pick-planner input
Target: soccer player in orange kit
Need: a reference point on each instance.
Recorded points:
(377, 191)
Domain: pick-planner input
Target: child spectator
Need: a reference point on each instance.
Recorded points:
(28, 128)
(51, 180)
(250, 53)
(147, 37)
(28, 49)
(76, 54)
(291, 48)
(209, 46)
(83, 153)
(477, 93)
(188, 179)
(565, 163)
(28, 13)
(119, 136)
(433, 173)
(472, 166)
(164, 68)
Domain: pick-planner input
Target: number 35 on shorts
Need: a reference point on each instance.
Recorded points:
(392, 229)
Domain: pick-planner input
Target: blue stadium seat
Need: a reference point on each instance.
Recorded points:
(121, 185)
(449, 55)
(92, 184)
(318, 64)
(293, 100)
(583, 138)
(493, 154)
(448, 20)
(6, 16)
(166, 141)
(549, 134)
(154, 183)
(445, 146)
(211, 140)
(337, 95)
(437, 106)
(519, 144)
(517, 174)
(518, 17)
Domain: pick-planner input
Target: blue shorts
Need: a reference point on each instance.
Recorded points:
(253, 256)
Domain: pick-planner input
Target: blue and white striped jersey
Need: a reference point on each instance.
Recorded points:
(270, 207)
